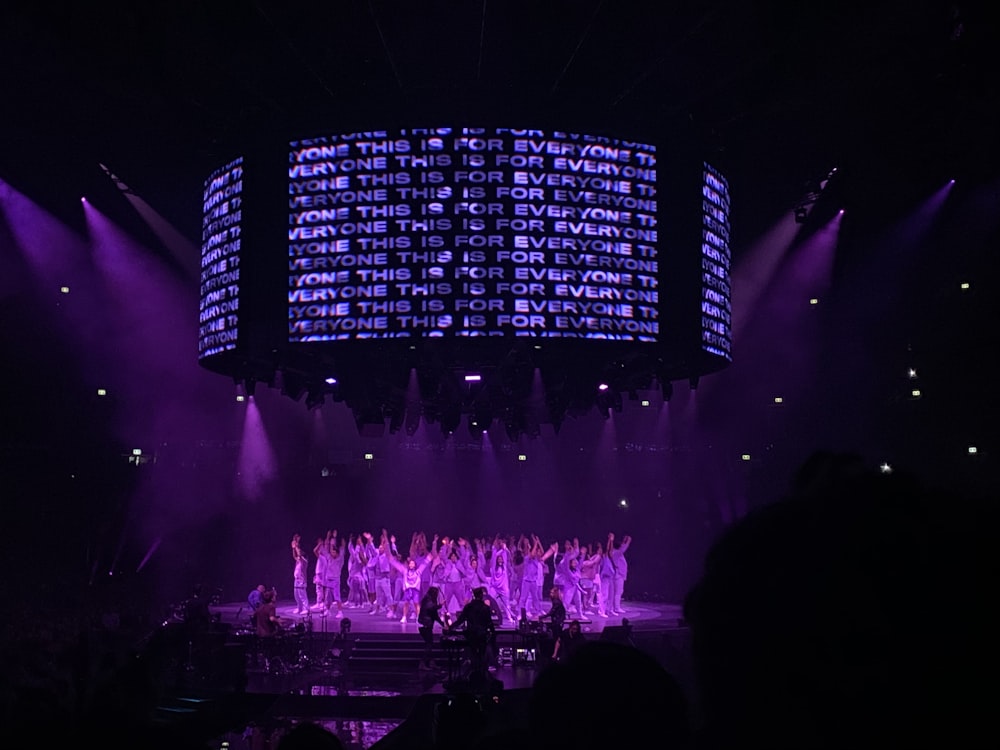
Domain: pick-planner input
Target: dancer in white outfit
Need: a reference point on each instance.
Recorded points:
(617, 556)
(299, 572)
(412, 574)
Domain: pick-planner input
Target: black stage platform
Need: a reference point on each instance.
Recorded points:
(361, 674)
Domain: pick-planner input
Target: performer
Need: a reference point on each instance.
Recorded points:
(556, 614)
(568, 575)
(430, 613)
(570, 640)
(606, 574)
(499, 580)
(299, 571)
(411, 574)
(454, 580)
(332, 574)
(357, 593)
(476, 621)
(380, 567)
(256, 597)
(266, 618)
(367, 573)
(617, 555)
(322, 552)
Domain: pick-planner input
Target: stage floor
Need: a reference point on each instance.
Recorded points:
(363, 679)
(640, 615)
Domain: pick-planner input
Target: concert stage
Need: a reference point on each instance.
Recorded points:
(361, 675)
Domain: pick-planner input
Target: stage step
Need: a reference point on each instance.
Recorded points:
(400, 653)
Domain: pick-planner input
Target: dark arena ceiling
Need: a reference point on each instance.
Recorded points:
(896, 95)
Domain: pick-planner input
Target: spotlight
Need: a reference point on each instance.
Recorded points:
(668, 390)
(250, 386)
(693, 382)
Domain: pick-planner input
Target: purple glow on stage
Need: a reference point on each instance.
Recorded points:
(256, 467)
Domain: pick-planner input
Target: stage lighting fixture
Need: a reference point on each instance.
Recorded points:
(801, 214)
(693, 382)
(668, 390)
(64, 289)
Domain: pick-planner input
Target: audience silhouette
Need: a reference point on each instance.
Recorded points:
(850, 613)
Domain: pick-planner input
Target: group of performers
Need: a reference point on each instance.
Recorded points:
(513, 574)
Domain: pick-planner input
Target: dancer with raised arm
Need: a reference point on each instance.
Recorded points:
(322, 552)
(333, 572)
(499, 578)
(531, 583)
(453, 590)
(412, 573)
(299, 572)
(380, 568)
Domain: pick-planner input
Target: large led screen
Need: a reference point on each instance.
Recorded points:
(469, 232)
(716, 305)
(221, 240)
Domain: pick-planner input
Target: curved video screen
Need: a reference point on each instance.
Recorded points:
(469, 232)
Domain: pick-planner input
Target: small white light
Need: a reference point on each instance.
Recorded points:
(885, 468)
(241, 398)
(623, 503)
(64, 289)
(745, 456)
(973, 450)
(911, 373)
(814, 301)
(369, 456)
(137, 451)
(521, 457)
(644, 402)
(966, 285)
(779, 400)
(102, 392)
(915, 393)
